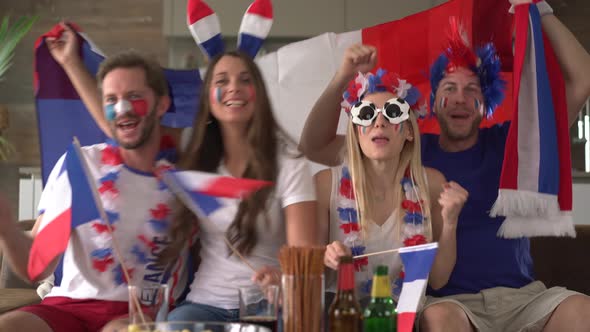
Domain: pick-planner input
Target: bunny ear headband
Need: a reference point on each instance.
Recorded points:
(203, 24)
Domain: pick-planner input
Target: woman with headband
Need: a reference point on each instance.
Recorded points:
(236, 134)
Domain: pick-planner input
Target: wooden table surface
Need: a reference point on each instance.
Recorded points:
(12, 298)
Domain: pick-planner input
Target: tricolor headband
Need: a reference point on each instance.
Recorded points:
(203, 24)
(381, 81)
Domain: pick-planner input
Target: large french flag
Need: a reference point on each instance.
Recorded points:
(296, 74)
(417, 262)
(535, 191)
(76, 207)
(200, 191)
(61, 114)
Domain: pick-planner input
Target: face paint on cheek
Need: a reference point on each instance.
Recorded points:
(361, 130)
(109, 111)
(139, 107)
(215, 95)
(218, 95)
(251, 93)
(478, 106)
(443, 102)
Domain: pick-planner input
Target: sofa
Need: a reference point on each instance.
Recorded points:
(558, 262)
(563, 261)
(14, 292)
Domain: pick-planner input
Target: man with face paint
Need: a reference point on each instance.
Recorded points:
(93, 291)
(492, 286)
(65, 51)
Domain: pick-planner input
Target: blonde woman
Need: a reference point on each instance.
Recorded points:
(382, 197)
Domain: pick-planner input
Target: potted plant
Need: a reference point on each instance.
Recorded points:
(10, 35)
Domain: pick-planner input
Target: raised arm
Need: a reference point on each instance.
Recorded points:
(65, 51)
(319, 141)
(574, 62)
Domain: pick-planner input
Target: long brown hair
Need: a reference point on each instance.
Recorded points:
(205, 150)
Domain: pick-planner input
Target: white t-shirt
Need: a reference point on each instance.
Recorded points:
(377, 238)
(219, 277)
(138, 208)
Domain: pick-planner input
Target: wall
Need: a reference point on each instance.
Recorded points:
(301, 18)
(581, 210)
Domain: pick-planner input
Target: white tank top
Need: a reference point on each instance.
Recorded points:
(377, 238)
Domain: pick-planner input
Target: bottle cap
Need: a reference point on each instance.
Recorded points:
(381, 270)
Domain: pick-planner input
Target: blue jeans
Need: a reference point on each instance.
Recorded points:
(190, 311)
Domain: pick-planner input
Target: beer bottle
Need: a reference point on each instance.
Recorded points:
(380, 315)
(345, 311)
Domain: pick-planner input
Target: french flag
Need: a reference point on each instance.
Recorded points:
(76, 207)
(203, 24)
(417, 262)
(200, 191)
(61, 114)
(255, 26)
(296, 74)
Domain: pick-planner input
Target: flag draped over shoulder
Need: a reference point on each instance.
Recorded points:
(535, 191)
(77, 206)
(62, 115)
(417, 262)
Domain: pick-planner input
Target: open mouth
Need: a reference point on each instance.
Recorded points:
(127, 125)
(460, 115)
(235, 103)
(380, 139)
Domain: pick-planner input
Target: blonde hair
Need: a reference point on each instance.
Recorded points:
(410, 156)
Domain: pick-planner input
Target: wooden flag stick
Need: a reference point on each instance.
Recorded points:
(375, 253)
(105, 219)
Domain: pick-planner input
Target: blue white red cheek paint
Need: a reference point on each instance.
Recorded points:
(443, 103)
(137, 106)
(361, 130)
(478, 106)
(215, 95)
(218, 95)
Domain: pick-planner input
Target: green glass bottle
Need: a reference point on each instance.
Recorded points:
(380, 315)
(345, 312)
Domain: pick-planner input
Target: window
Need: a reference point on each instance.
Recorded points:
(580, 141)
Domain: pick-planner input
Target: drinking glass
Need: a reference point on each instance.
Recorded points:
(260, 308)
(153, 300)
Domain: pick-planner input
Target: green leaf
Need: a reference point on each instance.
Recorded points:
(10, 36)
